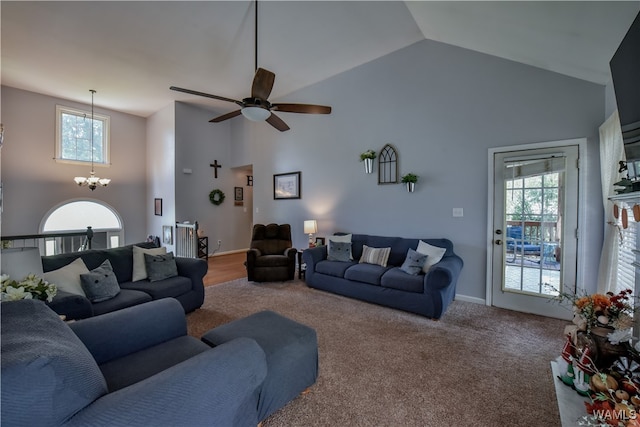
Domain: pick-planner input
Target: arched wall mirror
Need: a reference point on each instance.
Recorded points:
(388, 165)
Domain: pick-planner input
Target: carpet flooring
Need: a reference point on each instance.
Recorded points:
(477, 366)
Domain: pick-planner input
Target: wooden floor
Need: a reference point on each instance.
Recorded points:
(224, 268)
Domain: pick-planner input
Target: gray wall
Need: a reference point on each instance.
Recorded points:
(33, 182)
(198, 144)
(442, 107)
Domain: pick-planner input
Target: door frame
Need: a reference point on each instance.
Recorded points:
(582, 173)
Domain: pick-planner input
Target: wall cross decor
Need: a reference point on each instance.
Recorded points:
(215, 165)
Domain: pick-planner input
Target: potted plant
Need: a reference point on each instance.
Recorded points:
(367, 157)
(410, 179)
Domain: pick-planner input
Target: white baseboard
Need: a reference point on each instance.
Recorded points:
(474, 300)
(236, 251)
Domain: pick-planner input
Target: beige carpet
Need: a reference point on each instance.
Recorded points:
(477, 366)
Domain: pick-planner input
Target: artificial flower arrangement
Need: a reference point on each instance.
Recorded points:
(613, 311)
(369, 154)
(31, 287)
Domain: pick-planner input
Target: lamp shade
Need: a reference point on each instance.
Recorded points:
(310, 226)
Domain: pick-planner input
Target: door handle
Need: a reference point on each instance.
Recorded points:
(498, 242)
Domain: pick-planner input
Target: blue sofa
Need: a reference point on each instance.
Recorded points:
(135, 366)
(425, 294)
(187, 287)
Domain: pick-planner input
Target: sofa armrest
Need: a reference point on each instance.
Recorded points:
(444, 273)
(217, 387)
(193, 268)
(73, 306)
(122, 332)
(312, 256)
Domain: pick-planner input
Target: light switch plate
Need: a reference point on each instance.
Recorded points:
(458, 212)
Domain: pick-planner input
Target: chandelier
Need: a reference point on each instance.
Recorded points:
(92, 181)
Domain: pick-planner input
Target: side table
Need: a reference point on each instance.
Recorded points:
(302, 268)
(203, 247)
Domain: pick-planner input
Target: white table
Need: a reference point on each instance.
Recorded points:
(570, 403)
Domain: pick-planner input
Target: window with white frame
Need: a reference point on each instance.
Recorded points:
(74, 129)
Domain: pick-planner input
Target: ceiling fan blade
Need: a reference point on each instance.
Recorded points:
(277, 123)
(206, 95)
(224, 117)
(262, 84)
(302, 108)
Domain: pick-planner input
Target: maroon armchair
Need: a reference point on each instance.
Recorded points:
(271, 257)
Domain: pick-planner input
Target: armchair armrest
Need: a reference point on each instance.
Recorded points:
(73, 306)
(291, 253)
(216, 387)
(122, 332)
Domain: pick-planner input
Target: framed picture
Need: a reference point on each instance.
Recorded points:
(238, 193)
(157, 207)
(286, 185)
(320, 241)
(167, 234)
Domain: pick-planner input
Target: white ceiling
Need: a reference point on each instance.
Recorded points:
(131, 52)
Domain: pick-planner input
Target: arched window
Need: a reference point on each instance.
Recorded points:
(388, 165)
(77, 215)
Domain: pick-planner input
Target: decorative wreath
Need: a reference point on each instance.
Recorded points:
(216, 196)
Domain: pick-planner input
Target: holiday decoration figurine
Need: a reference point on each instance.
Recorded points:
(565, 363)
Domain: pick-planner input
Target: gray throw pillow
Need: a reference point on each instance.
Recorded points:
(414, 262)
(339, 251)
(160, 267)
(100, 284)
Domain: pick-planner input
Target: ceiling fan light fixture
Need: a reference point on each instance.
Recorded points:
(256, 114)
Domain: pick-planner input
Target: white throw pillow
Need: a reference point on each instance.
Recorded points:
(340, 239)
(139, 268)
(67, 278)
(434, 254)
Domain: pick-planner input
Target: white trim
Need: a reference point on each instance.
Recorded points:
(582, 174)
(467, 298)
(236, 251)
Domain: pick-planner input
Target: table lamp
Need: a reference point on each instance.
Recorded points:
(310, 228)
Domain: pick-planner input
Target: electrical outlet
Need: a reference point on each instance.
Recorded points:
(219, 242)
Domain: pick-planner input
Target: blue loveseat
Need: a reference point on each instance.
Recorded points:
(426, 294)
(132, 367)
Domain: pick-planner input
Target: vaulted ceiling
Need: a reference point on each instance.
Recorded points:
(131, 52)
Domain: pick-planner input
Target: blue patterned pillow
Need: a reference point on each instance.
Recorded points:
(339, 251)
(414, 262)
(100, 284)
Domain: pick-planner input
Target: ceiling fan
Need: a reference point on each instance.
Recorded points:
(257, 107)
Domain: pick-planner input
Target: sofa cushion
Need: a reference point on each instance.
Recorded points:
(434, 254)
(339, 251)
(378, 256)
(67, 278)
(414, 262)
(395, 278)
(365, 273)
(139, 271)
(171, 287)
(125, 298)
(160, 267)
(333, 268)
(100, 284)
(47, 373)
